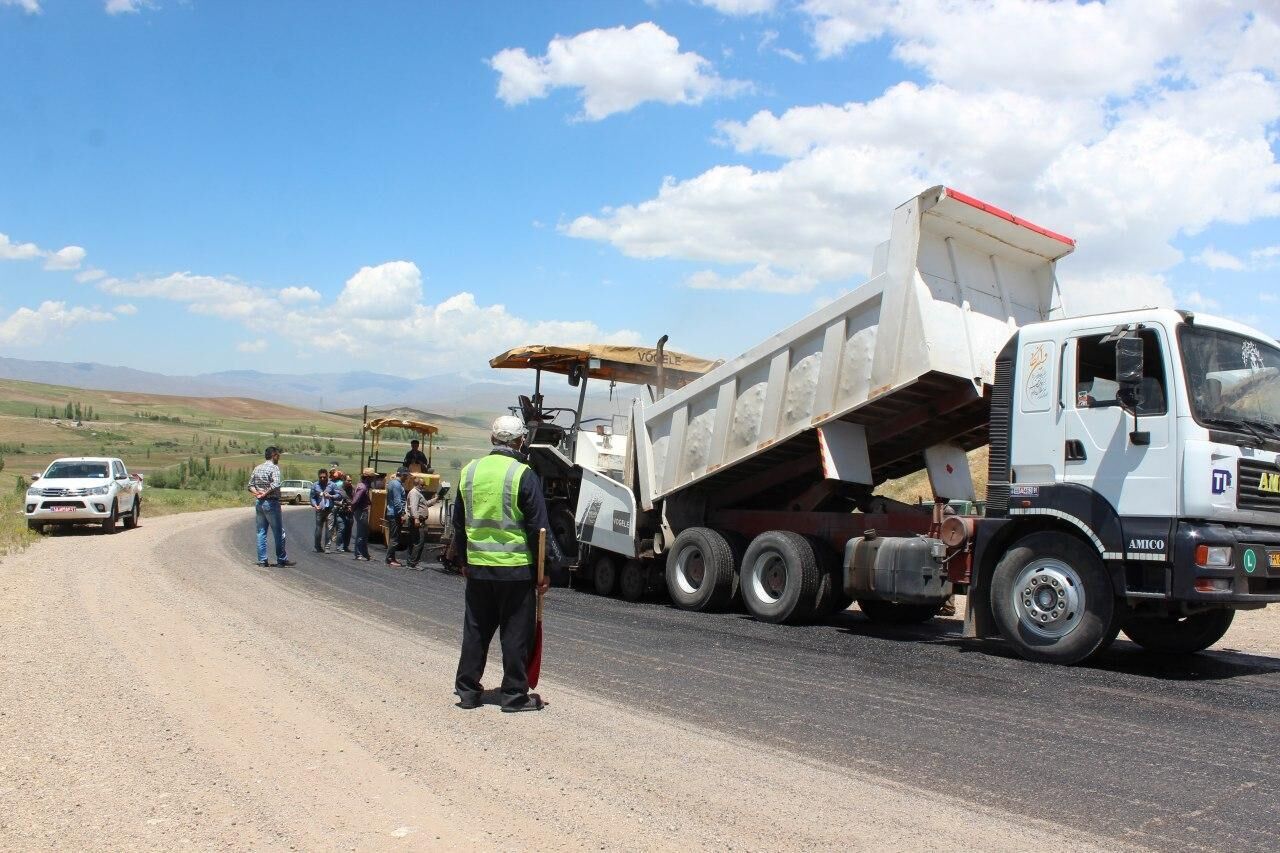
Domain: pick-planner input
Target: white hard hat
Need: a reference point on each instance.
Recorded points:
(508, 428)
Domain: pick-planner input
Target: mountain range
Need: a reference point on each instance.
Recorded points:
(453, 393)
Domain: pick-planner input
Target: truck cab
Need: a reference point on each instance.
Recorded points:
(1153, 436)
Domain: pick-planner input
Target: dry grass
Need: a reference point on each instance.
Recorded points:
(915, 487)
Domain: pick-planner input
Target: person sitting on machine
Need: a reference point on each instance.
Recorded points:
(415, 457)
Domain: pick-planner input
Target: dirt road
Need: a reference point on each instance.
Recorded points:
(148, 703)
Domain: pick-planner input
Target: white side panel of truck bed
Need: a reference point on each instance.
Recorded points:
(958, 277)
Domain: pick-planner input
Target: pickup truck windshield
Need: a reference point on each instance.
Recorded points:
(1231, 379)
(76, 470)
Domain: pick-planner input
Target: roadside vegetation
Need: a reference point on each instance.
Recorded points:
(194, 453)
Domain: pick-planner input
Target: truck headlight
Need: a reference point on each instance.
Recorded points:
(1213, 556)
(33, 492)
(100, 490)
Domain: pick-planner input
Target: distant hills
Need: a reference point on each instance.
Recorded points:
(450, 394)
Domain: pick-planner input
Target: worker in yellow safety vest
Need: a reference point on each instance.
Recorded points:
(496, 519)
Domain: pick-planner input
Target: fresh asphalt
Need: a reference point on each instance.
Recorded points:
(1169, 754)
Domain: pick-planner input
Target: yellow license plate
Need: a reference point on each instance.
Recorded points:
(1274, 559)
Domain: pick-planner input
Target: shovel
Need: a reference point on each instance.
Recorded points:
(535, 655)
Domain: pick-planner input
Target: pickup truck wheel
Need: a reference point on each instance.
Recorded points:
(781, 577)
(889, 613)
(1179, 635)
(700, 570)
(1052, 599)
(36, 527)
(131, 520)
(633, 580)
(109, 524)
(604, 575)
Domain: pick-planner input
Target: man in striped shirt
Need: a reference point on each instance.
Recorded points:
(264, 485)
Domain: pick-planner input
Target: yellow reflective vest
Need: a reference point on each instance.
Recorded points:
(494, 522)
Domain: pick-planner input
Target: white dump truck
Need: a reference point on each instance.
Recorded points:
(1133, 481)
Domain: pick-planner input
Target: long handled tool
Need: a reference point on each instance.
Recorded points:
(535, 655)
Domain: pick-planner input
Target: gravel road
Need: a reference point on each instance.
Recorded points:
(158, 691)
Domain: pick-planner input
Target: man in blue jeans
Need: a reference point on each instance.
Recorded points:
(264, 485)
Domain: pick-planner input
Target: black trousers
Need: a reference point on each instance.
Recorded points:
(490, 605)
(391, 529)
(419, 543)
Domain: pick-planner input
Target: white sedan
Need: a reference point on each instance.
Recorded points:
(84, 490)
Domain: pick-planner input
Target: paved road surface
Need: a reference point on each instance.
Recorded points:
(1171, 755)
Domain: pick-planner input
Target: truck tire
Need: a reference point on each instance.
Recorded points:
(109, 524)
(889, 613)
(1179, 635)
(604, 575)
(1052, 599)
(131, 520)
(36, 527)
(780, 577)
(831, 581)
(700, 570)
(633, 580)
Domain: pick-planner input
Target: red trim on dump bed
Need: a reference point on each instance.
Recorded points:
(1004, 214)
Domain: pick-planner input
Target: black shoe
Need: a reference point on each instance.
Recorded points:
(532, 703)
(468, 704)
(283, 563)
(263, 564)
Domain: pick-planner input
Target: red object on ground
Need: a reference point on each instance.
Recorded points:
(535, 654)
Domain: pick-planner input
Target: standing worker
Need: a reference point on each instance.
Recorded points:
(361, 500)
(395, 511)
(321, 503)
(419, 508)
(264, 485)
(496, 520)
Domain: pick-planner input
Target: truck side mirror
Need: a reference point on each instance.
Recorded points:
(1129, 370)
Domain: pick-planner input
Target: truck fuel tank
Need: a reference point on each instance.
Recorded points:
(901, 569)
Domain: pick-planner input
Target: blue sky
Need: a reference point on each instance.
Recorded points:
(411, 187)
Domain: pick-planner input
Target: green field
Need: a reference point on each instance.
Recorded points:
(194, 452)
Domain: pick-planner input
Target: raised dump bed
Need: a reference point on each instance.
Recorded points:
(858, 390)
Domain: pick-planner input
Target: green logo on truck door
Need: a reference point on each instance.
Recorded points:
(1250, 560)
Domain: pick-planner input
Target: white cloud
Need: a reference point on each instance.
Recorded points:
(615, 70)
(292, 295)
(382, 292)
(1103, 292)
(1126, 166)
(741, 7)
(1265, 258)
(34, 326)
(219, 297)
(1219, 260)
(126, 7)
(1199, 302)
(90, 275)
(31, 7)
(66, 258)
(760, 277)
(259, 345)
(125, 310)
(10, 251)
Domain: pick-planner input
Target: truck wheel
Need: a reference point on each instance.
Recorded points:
(830, 580)
(700, 570)
(781, 577)
(889, 613)
(1052, 599)
(36, 527)
(633, 580)
(109, 524)
(1179, 635)
(605, 575)
(131, 520)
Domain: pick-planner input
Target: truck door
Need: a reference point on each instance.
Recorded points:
(124, 492)
(1138, 479)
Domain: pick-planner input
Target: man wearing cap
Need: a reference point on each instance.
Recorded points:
(395, 512)
(496, 520)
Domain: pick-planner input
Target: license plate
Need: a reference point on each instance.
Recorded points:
(64, 508)
(1273, 559)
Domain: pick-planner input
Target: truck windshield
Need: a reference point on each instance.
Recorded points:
(1231, 379)
(76, 471)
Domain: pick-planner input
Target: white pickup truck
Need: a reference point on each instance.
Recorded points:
(84, 490)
